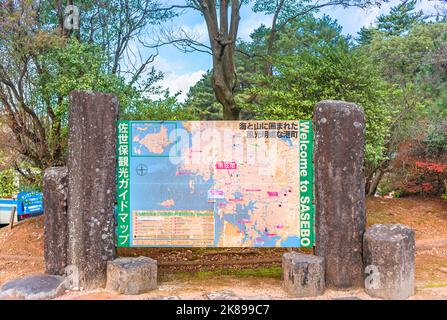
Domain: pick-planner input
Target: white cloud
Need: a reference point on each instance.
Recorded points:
(166, 66)
(428, 6)
(181, 82)
(198, 31)
(371, 14)
(251, 22)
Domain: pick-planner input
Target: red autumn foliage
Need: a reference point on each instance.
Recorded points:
(417, 171)
(431, 166)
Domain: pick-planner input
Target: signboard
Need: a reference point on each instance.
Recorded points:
(215, 184)
(32, 202)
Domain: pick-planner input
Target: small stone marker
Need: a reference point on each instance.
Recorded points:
(55, 184)
(91, 186)
(389, 251)
(132, 275)
(339, 191)
(303, 274)
(40, 287)
(170, 298)
(221, 295)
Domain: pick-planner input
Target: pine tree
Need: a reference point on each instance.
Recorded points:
(400, 19)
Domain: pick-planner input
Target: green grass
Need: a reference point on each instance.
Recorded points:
(270, 272)
(435, 284)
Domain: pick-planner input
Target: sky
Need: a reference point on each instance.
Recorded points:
(182, 70)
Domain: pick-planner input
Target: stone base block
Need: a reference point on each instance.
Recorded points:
(132, 275)
(39, 287)
(303, 274)
(388, 253)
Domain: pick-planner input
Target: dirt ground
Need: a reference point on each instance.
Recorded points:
(247, 272)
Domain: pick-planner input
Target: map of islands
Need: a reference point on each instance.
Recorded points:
(220, 184)
(152, 138)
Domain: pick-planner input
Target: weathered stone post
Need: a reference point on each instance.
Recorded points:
(91, 189)
(303, 274)
(388, 253)
(55, 185)
(339, 191)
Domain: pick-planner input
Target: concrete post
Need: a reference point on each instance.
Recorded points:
(91, 189)
(339, 191)
(55, 184)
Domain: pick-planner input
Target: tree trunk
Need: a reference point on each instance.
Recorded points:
(268, 68)
(223, 85)
(222, 38)
(373, 184)
(374, 176)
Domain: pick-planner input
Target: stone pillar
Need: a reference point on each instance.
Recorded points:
(91, 188)
(303, 274)
(55, 184)
(339, 191)
(388, 253)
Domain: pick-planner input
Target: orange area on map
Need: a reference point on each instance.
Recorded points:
(156, 142)
(269, 168)
(168, 203)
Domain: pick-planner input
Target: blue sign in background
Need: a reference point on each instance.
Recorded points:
(32, 202)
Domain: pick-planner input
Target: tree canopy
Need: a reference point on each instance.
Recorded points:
(395, 69)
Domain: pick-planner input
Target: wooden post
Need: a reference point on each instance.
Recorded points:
(11, 220)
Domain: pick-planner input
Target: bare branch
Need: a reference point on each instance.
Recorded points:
(181, 39)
